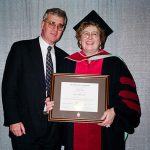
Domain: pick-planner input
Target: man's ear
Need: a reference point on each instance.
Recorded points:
(42, 24)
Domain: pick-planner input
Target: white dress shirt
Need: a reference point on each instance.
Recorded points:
(44, 47)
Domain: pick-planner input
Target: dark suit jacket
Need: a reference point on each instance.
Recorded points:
(23, 87)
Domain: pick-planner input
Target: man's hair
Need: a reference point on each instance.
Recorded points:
(55, 11)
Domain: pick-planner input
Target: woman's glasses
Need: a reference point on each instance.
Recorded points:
(93, 34)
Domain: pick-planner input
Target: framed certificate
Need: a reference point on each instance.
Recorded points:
(79, 97)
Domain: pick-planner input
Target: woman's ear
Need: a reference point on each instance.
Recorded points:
(100, 45)
(80, 44)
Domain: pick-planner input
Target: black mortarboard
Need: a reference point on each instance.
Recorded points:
(94, 17)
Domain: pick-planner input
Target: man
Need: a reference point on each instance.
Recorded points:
(24, 87)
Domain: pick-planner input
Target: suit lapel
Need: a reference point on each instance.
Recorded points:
(37, 61)
(63, 65)
(58, 59)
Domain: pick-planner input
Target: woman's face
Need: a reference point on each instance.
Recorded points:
(90, 40)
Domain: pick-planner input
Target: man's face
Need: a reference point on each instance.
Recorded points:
(52, 28)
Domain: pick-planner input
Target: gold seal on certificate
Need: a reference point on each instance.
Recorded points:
(79, 97)
(78, 115)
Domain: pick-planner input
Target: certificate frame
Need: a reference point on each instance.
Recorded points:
(59, 115)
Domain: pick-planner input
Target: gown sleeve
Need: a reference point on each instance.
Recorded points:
(123, 95)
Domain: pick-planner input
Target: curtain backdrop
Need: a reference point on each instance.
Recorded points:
(130, 21)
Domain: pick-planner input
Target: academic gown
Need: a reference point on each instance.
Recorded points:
(122, 96)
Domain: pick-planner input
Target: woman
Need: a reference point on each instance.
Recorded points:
(124, 111)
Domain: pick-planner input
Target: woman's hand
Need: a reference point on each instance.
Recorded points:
(108, 118)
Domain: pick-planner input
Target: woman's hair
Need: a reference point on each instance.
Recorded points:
(55, 11)
(86, 24)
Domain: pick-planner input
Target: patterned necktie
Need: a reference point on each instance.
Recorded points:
(49, 70)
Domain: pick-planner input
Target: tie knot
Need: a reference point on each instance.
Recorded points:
(49, 48)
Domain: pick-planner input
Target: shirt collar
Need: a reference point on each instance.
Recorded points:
(44, 45)
(43, 42)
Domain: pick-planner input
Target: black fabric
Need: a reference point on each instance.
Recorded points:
(94, 17)
(126, 119)
(116, 68)
(67, 135)
(24, 89)
(45, 142)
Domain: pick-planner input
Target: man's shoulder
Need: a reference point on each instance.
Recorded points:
(24, 45)
(60, 51)
(25, 42)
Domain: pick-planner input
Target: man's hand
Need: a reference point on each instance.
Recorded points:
(17, 129)
(49, 104)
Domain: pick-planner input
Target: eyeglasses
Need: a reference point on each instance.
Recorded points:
(90, 34)
(52, 25)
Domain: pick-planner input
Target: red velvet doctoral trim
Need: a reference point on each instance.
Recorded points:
(132, 105)
(77, 57)
(87, 136)
(80, 56)
(128, 95)
(84, 67)
(126, 80)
